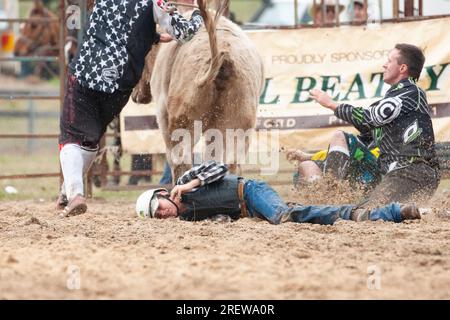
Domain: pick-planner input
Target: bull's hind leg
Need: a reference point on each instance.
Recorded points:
(229, 145)
(180, 142)
(142, 92)
(163, 123)
(218, 151)
(236, 146)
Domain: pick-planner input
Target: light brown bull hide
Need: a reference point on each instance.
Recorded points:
(227, 100)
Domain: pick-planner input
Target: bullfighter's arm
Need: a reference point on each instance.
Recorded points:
(206, 173)
(378, 114)
(170, 20)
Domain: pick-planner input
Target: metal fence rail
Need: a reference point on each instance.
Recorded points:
(37, 136)
(29, 59)
(29, 136)
(29, 96)
(56, 174)
(35, 20)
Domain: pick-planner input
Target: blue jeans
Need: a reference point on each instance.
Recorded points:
(167, 175)
(262, 200)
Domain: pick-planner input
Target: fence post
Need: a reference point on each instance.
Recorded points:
(395, 8)
(103, 163)
(62, 65)
(83, 19)
(336, 9)
(31, 125)
(409, 8)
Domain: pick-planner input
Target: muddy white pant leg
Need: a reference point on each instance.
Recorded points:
(72, 168)
(75, 162)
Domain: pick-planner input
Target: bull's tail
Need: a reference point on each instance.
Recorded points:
(217, 58)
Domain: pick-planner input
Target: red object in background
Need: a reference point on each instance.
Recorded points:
(7, 42)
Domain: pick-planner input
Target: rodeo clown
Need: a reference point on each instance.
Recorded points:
(101, 77)
(207, 190)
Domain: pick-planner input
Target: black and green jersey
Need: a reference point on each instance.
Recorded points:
(399, 124)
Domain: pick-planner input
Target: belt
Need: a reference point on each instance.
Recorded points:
(244, 212)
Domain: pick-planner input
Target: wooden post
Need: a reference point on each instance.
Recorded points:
(366, 8)
(103, 163)
(117, 143)
(323, 9)
(395, 8)
(226, 12)
(31, 125)
(83, 19)
(409, 8)
(380, 5)
(337, 12)
(420, 8)
(88, 184)
(62, 66)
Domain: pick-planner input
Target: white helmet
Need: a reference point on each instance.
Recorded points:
(147, 203)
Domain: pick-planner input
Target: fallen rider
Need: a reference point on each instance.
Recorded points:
(208, 190)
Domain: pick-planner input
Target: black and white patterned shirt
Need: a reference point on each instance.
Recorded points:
(207, 172)
(400, 125)
(119, 35)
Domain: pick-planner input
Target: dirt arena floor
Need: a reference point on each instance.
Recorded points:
(108, 253)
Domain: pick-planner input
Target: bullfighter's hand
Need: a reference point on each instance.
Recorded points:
(167, 7)
(292, 155)
(323, 99)
(299, 155)
(165, 37)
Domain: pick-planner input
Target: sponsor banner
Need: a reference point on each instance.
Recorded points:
(346, 62)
